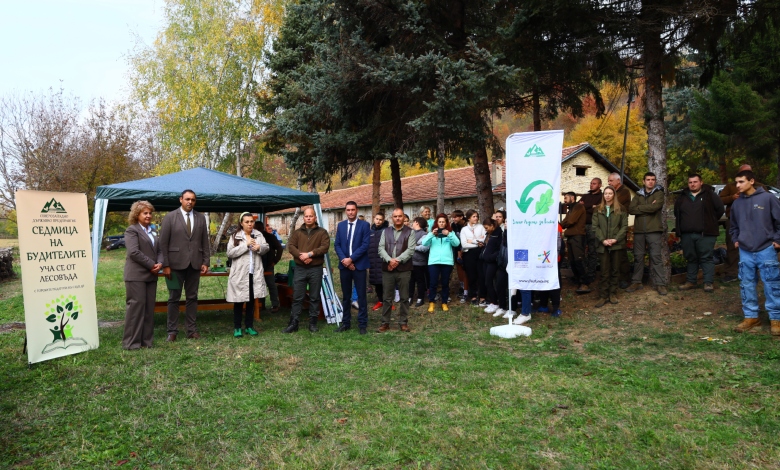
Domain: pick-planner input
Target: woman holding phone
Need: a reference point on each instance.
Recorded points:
(246, 281)
(441, 241)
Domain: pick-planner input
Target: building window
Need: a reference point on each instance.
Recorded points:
(580, 171)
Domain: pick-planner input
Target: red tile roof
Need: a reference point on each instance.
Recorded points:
(458, 183)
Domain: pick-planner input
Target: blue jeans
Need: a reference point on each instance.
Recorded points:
(766, 263)
(527, 298)
(358, 277)
(439, 274)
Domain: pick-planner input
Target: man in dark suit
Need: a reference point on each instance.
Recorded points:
(184, 240)
(352, 240)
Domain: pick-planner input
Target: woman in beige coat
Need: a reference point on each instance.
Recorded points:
(246, 281)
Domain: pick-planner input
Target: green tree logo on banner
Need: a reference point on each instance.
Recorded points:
(545, 199)
(53, 206)
(61, 311)
(535, 151)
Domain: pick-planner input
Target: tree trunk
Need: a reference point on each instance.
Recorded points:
(395, 172)
(777, 164)
(722, 169)
(296, 214)
(537, 110)
(440, 189)
(654, 121)
(376, 186)
(220, 232)
(207, 215)
(484, 183)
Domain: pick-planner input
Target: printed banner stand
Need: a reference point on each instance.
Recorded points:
(533, 165)
(58, 287)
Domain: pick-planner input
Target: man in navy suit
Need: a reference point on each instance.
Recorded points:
(352, 239)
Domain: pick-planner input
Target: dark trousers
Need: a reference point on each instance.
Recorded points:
(502, 288)
(420, 279)
(389, 280)
(440, 275)
(489, 270)
(379, 291)
(624, 268)
(648, 243)
(139, 314)
(592, 257)
(250, 308)
(189, 279)
(358, 277)
(313, 278)
(472, 265)
(610, 272)
(697, 249)
(551, 295)
(273, 292)
(731, 267)
(577, 260)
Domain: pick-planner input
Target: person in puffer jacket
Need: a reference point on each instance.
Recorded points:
(419, 261)
(374, 260)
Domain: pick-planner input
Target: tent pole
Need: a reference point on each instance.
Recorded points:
(98, 222)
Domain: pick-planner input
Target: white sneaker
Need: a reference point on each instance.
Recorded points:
(491, 308)
(483, 304)
(521, 319)
(397, 297)
(355, 305)
(508, 314)
(500, 313)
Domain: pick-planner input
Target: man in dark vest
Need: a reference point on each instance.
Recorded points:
(396, 248)
(590, 200)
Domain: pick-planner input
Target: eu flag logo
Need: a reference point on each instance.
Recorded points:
(521, 255)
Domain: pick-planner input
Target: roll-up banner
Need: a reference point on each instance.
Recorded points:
(533, 188)
(57, 282)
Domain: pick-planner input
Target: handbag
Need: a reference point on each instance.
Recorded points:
(503, 257)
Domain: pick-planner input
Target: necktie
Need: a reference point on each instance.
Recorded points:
(349, 238)
(189, 225)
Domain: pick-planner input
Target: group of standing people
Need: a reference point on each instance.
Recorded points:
(181, 252)
(399, 256)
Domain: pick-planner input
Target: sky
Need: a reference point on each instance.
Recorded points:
(80, 45)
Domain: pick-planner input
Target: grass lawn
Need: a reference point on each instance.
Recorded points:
(631, 385)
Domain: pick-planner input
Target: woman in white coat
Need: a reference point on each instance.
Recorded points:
(246, 281)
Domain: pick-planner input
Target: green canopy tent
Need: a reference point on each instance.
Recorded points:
(216, 191)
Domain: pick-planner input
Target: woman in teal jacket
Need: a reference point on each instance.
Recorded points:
(441, 240)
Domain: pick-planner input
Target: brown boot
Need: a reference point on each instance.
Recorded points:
(687, 286)
(775, 328)
(383, 327)
(748, 324)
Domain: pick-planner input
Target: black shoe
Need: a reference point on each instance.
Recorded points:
(343, 328)
(624, 284)
(729, 278)
(419, 303)
(292, 327)
(363, 330)
(313, 325)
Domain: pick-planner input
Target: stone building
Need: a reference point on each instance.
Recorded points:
(579, 165)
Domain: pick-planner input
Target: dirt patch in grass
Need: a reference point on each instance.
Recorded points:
(687, 312)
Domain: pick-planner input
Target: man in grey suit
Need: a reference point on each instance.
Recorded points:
(184, 240)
